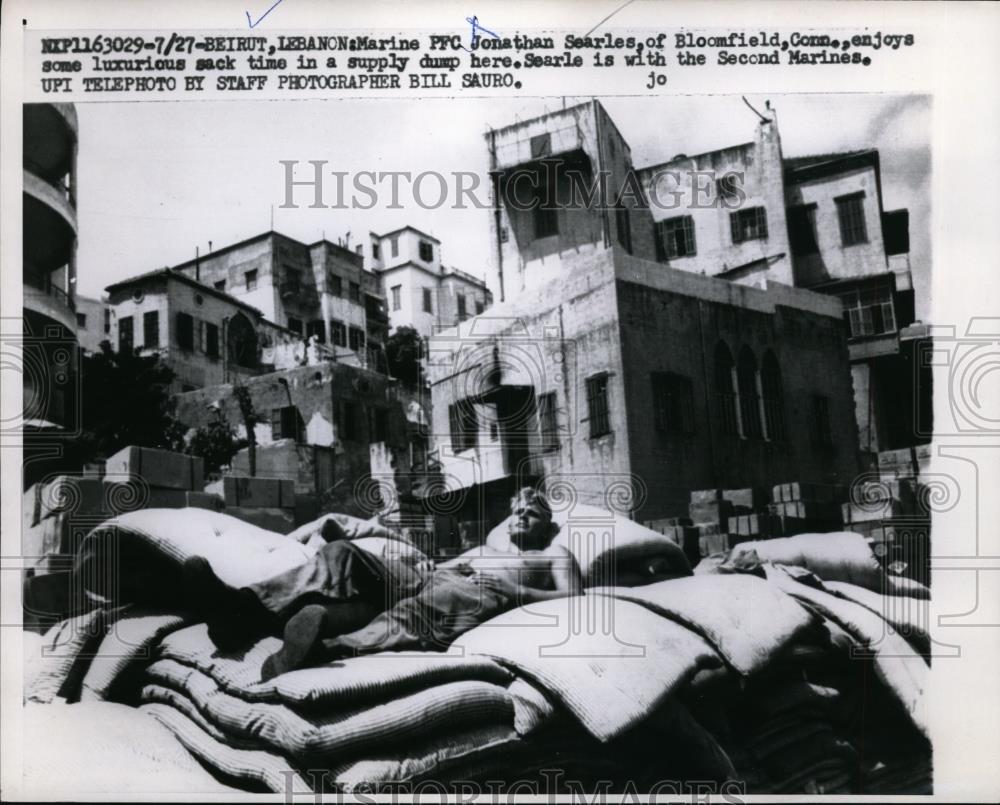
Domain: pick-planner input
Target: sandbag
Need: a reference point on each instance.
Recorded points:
(353, 527)
(837, 556)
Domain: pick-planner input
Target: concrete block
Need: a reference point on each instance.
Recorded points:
(268, 493)
(134, 495)
(281, 521)
(70, 494)
(751, 499)
(711, 512)
(204, 500)
(158, 468)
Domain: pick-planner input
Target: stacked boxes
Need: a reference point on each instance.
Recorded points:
(682, 532)
(882, 501)
(803, 507)
(265, 502)
(148, 478)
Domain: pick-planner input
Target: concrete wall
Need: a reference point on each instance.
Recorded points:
(834, 260)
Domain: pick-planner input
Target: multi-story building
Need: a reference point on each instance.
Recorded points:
(49, 263)
(609, 372)
(746, 214)
(420, 291)
(203, 334)
(93, 323)
(317, 290)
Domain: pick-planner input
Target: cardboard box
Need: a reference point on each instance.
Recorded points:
(281, 521)
(266, 493)
(204, 500)
(828, 513)
(133, 496)
(157, 468)
(72, 494)
(751, 499)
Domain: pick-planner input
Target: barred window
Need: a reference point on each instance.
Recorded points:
(356, 339)
(746, 376)
(851, 214)
(547, 423)
(428, 303)
(749, 224)
(185, 331)
(286, 423)
(597, 405)
(338, 332)
(772, 398)
(869, 311)
(675, 238)
(673, 403)
(725, 390)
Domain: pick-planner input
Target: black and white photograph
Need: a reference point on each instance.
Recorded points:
(424, 433)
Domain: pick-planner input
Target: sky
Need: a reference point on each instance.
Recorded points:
(158, 179)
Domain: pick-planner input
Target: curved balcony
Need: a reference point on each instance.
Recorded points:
(50, 137)
(52, 303)
(49, 225)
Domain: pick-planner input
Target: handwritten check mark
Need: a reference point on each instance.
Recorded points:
(260, 19)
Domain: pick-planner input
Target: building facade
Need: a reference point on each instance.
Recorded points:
(319, 291)
(203, 334)
(420, 291)
(93, 322)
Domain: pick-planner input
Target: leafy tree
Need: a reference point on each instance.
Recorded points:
(403, 350)
(216, 443)
(125, 400)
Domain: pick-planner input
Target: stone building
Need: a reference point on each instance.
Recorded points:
(319, 289)
(612, 369)
(93, 322)
(203, 334)
(420, 291)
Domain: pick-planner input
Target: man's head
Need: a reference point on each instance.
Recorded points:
(530, 525)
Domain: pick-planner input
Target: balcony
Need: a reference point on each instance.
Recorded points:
(50, 301)
(49, 225)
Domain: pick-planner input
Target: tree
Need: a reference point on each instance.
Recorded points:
(125, 400)
(242, 396)
(215, 443)
(403, 350)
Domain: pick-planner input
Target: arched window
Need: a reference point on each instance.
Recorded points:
(772, 398)
(725, 390)
(241, 340)
(746, 374)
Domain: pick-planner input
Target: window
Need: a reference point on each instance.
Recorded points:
(746, 378)
(426, 251)
(338, 333)
(396, 291)
(673, 403)
(348, 420)
(295, 325)
(151, 329)
(394, 246)
(220, 285)
(428, 306)
(336, 285)
(316, 328)
(480, 307)
(293, 280)
(464, 425)
(544, 214)
(125, 342)
(185, 331)
(597, 405)
(355, 292)
(851, 214)
(802, 229)
(107, 320)
(286, 423)
(462, 313)
(725, 390)
(869, 311)
(547, 423)
(81, 319)
(379, 425)
(750, 224)
(356, 339)
(211, 340)
(675, 238)
(728, 189)
(376, 252)
(251, 279)
(822, 436)
(772, 398)
(624, 226)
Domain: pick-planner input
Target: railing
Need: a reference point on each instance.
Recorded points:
(53, 290)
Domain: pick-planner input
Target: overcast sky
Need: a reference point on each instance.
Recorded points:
(158, 179)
